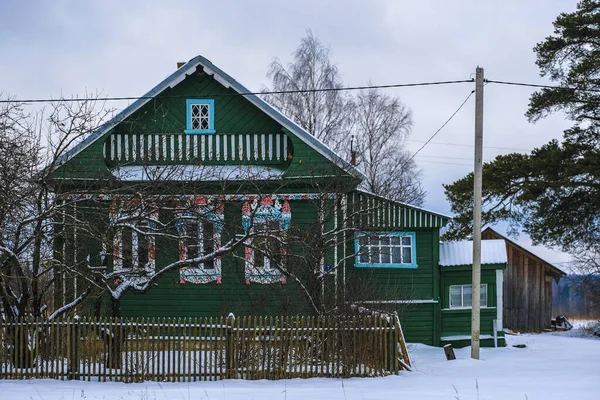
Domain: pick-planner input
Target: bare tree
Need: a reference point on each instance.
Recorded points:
(327, 115)
(382, 125)
(28, 206)
(587, 267)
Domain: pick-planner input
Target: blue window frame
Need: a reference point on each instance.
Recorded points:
(200, 116)
(385, 250)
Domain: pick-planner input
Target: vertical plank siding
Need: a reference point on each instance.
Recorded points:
(185, 350)
(369, 211)
(527, 289)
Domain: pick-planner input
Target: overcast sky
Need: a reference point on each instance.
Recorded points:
(124, 48)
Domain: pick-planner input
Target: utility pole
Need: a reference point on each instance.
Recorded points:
(477, 189)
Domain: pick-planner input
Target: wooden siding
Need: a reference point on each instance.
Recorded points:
(457, 322)
(527, 288)
(369, 211)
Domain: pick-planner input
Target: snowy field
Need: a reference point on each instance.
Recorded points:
(552, 366)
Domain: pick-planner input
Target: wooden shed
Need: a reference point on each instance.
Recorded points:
(527, 287)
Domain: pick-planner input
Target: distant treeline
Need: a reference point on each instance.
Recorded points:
(574, 296)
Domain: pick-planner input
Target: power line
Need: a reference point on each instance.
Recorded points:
(468, 145)
(445, 163)
(441, 127)
(340, 89)
(534, 85)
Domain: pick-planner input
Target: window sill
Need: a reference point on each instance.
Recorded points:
(398, 266)
(466, 308)
(200, 131)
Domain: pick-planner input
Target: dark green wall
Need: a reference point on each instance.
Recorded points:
(456, 322)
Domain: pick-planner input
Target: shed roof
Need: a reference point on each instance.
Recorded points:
(552, 267)
(461, 253)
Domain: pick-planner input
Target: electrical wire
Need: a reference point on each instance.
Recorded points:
(441, 127)
(340, 89)
(468, 145)
(539, 86)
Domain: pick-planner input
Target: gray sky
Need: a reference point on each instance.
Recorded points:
(124, 48)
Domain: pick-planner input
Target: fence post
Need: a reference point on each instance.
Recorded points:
(74, 350)
(229, 346)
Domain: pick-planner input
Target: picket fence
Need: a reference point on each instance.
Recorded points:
(186, 349)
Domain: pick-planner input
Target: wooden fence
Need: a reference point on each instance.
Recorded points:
(187, 350)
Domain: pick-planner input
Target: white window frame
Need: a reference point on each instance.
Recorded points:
(484, 288)
(361, 249)
(148, 223)
(202, 214)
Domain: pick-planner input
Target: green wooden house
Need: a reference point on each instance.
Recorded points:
(220, 161)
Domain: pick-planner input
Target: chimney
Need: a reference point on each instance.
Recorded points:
(180, 64)
(352, 152)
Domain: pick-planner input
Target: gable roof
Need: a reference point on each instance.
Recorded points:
(495, 233)
(223, 78)
(461, 253)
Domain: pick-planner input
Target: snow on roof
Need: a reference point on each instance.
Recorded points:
(195, 172)
(227, 81)
(461, 253)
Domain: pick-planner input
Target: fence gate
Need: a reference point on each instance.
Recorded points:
(184, 350)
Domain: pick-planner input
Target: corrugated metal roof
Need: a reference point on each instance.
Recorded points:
(461, 253)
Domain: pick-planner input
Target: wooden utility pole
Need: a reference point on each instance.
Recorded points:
(477, 189)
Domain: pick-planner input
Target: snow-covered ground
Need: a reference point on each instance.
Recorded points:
(552, 366)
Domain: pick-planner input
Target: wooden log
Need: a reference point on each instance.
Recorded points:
(449, 351)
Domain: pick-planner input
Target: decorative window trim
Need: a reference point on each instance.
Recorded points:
(211, 116)
(269, 209)
(212, 212)
(138, 274)
(483, 304)
(411, 235)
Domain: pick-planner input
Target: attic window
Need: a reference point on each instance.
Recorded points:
(200, 116)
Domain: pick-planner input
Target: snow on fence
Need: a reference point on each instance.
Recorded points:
(187, 349)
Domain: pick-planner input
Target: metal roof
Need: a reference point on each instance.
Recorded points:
(497, 234)
(227, 81)
(461, 253)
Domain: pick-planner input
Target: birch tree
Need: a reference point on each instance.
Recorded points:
(382, 125)
(327, 115)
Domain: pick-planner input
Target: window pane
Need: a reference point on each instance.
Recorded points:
(127, 243)
(363, 255)
(385, 255)
(362, 241)
(467, 296)
(406, 255)
(455, 297)
(384, 240)
(406, 240)
(142, 251)
(374, 259)
(274, 245)
(191, 241)
(395, 240)
(208, 243)
(483, 296)
(397, 255)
